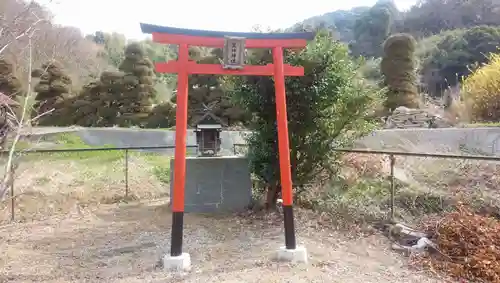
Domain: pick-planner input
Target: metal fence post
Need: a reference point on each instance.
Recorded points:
(392, 160)
(126, 173)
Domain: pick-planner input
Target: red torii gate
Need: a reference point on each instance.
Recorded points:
(183, 67)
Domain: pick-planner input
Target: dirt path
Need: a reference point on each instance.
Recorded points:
(124, 243)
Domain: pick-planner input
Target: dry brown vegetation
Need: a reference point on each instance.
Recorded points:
(46, 186)
(455, 201)
(73, 224)
(467, 246)
(123, 243)
(78, 201)
(21, 19)
(79, 236)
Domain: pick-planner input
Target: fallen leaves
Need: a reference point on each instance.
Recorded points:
(468, 246)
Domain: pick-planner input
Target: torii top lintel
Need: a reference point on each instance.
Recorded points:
(171, 35)
(215, 39)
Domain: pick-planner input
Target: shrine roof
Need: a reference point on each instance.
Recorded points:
(149, 29)
(210, 119)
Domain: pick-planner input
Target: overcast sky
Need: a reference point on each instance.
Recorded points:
(124, 16)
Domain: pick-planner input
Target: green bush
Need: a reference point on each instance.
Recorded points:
(327, 108)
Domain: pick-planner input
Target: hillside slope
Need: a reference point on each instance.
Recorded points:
(342, 20)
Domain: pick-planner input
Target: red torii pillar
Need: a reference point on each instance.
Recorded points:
(183, 67)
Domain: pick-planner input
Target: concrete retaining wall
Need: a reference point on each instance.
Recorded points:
(130, 137)
(476, 141)
(484, 141)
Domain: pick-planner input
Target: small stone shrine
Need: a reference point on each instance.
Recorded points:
(207, 130)
(214, 183)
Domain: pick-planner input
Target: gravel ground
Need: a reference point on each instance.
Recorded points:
(124, 244)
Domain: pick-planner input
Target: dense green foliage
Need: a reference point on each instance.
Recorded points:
(372, 28)
(426, 18)
(454, 36)
(53, 89)
(341, 21)
(131, 94)
(113, 51)
(162, 116)
(10, 84)
(398, 69)
(327, 108)
(208, 91)
(447, 57)
(86, 106)
(121, 98)
(370, 70)
(113, 46)
(431, 17)
(137, 87)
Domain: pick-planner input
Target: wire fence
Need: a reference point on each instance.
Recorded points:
(469, 171)
(437, 176)
(108, 160)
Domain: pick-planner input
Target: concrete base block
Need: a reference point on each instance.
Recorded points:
(216, 184)
(177, 263)
(298, 255)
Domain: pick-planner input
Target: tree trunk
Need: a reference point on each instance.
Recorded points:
(272, 193)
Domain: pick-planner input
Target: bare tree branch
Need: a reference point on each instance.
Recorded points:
(11, 165)
(24, 33)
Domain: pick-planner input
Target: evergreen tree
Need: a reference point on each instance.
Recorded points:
(85, 107)
(10, 85)
(372, 28)
(398, 67)
(327, 108)
(138, 86)
(207, 90)
(110, 101)
(162, 116)
(52, 89)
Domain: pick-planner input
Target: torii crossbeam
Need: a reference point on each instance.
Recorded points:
(183, 67)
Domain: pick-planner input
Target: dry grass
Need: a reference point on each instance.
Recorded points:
(360, 192)
(83, 232)
(123, 243)
(49, 185)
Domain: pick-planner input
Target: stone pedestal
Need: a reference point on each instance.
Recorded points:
(177, 263)
(297, 255)
(216, 184)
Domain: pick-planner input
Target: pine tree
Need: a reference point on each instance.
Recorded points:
(162, 116)
(207, 90)
(86, 105)
(138, 86)
(110, 101)
(398, 68)
(52, 89)
(10, 85)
